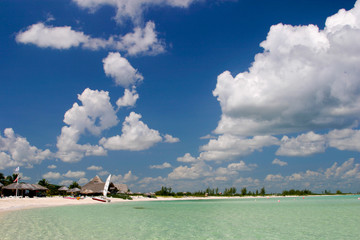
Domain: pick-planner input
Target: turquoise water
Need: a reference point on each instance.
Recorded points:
(335, 217)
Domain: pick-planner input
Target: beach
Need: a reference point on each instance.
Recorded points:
(14, 204)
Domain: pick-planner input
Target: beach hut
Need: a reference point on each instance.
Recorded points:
(24, 189)
(96, 187)
(121, 188)
(73, 191)
(63, 190)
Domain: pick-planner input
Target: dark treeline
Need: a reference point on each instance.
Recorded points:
(232, 191)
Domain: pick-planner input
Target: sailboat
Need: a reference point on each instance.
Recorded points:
(106, 187)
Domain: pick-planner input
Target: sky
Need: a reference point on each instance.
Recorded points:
(187, 94)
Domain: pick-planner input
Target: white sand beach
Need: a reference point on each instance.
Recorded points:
(13, 204)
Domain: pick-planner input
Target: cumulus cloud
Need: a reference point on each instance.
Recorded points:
(345, 139)
(140, 41)
(171, 139)
(66, 182)
(128, 177)
(197, 170)
(122, 72)
(337, 176)
(306, 79)
(273, 177)
(129, 99)
(162, 166)
(94, 168)
(131, 9)
(95, 115)
(17, 151)
(52, 166)
(228, 146)
(136, 136)
(51, 175)
(279, 162)
(76, 174)
(187, 158)
(303, 145)
(53, 37)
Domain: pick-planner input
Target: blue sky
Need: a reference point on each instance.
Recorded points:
(185, 94)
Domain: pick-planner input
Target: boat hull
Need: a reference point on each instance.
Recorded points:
(100, 199)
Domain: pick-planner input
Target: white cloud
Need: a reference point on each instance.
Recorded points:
(53, 37)
(227, 146)
(131, 9)
(66, 182)
(187, 158)
(76, 174)
(52, 166)
(17, 151)
(279, 162)
(121, 70)
(83, 181)
(135, 136)
(346, 139)
(103, 173)
(129, 99)
(197, 170)
(140, 41)
(305, 79)
(272, 177)
(95, 115)
(51, 175)
(303, 145)
(171, 139)
(94, 168)
(128, 177)
(162, 166)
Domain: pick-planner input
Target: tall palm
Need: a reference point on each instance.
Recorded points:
(43, 182)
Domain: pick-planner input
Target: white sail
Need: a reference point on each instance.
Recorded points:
(106, 187)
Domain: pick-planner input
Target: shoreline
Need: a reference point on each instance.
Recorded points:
(16, 204)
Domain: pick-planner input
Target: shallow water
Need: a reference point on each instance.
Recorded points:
(334, 217)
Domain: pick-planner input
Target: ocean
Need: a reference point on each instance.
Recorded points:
(320, 217)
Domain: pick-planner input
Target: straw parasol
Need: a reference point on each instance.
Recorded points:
(73, 190)
(63, 188)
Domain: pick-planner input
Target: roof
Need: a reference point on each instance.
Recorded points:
(63, 188)
(122, 187)
(95, 186)
(25, 186)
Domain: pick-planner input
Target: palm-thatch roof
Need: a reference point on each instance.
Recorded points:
(123, 188)
(25, 186)
(63, 188)
(96, 186)
(73, 190)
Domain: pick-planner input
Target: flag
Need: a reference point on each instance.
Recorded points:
(17, 169)
(17, 179)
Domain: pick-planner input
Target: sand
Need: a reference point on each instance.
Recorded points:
(13, 204)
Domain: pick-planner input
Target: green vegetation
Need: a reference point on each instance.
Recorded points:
(53, 189)
(165, 191)
(297, 192)
(121, 195)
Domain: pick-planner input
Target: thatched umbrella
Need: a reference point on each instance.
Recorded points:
(25, 186)
(63, 190)
(73, 190)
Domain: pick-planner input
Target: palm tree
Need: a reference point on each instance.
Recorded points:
(2, 178)
(10, 179)
(74, 185)
(43, 182)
